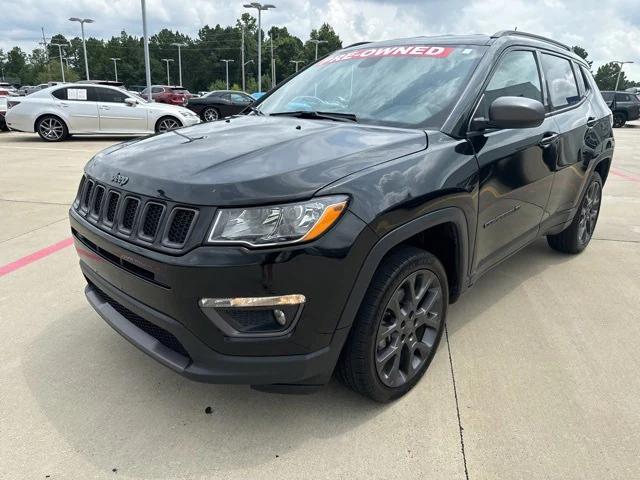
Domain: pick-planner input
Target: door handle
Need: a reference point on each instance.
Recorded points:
(104, 108)
(65, 105)
(591, 122)
(548, 138)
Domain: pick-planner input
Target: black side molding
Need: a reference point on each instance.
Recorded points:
(397, 236)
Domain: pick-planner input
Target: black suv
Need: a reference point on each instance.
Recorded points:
(331, 226)
(624, 105)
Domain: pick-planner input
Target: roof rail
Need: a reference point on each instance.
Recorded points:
(356, 44)
(504, 33)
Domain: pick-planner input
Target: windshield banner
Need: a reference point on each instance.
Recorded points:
(399, 51)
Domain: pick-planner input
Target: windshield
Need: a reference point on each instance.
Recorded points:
(407, 86)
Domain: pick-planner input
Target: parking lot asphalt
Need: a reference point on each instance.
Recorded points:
(538, 378)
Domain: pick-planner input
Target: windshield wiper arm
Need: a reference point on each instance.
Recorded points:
(336, 116)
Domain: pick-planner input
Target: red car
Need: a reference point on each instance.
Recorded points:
(172, 95)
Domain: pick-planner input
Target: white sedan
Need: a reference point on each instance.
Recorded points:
(81, 109)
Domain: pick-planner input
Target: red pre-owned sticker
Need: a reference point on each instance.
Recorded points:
(398, 51)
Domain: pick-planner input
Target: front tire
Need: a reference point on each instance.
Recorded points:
(166, 124)
(52, 129)
(576, 237)
(398, 327)
(210, 114)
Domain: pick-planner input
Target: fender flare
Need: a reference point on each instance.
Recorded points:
(395, 237)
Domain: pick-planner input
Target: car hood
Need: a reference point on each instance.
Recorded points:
(166, 108)
(251, 159)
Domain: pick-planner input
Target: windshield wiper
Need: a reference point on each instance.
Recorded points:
(335, 116)
(255, 110)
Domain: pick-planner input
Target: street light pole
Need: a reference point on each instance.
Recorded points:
(296, 62)
(273, 62)
(115, 66)
(226, 64)
(168, 60)
(621, 63)
(147, 64)
(242, 58)
(317, 42)
(179, 45)
(260, 7)
(60, 45)
(82, 21)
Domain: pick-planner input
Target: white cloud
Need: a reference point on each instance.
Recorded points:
(608, 30)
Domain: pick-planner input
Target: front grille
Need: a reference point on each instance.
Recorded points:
(150, 222)
(181, 222)
(129, 215)
(97, 201)
(112, 206)
(164, 337)
(152, 217)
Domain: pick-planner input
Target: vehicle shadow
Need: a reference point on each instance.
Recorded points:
(105, 396)
(501, 280)
(34, 138)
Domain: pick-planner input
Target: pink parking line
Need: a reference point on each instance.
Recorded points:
(625, 175)
(35, 256)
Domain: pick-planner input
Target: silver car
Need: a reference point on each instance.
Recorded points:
(80, 109)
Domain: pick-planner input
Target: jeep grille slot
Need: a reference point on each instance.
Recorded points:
(129, 215)
(76, 203)
(181, 221)
(97, 201)
(152, 217)
(87, 195)
(112, 206)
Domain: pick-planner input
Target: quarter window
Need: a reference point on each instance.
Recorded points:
(561, 82)
(516, 76)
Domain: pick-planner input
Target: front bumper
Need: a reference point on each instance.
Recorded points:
(193, 359)
(323, 271)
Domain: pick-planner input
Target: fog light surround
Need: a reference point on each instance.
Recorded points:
(254, 316)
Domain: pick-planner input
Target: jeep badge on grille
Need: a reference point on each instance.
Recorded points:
(119, 179)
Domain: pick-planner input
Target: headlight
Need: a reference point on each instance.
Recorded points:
(279, 224)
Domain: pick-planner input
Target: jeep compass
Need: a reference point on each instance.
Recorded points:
(329, 228)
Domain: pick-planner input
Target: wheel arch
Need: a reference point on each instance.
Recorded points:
(416, 232)
(602, 167)
(164, 117)
(49, 114)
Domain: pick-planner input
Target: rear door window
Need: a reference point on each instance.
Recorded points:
(561, 82)
(77, 94)
(623, 97)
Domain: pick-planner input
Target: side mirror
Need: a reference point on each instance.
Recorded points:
(130, 101)
(512, 112)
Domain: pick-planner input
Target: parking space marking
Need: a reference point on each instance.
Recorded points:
(49, 149)
(35, 256)
(625, 175)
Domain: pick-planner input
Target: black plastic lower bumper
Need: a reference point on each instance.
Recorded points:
(196, 360)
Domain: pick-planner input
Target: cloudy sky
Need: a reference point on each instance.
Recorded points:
(608, 29)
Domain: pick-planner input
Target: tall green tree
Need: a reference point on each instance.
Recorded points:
(582, 53)
(607, 74)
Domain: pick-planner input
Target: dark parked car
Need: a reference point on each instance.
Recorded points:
(334, 224)
(219, 104)
(3, 112)
(624, 105)
(168, 94)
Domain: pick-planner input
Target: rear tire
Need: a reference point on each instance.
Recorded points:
(210, 114)
(576, 237)
(619, 120)
(52, 129)
(398, 327)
